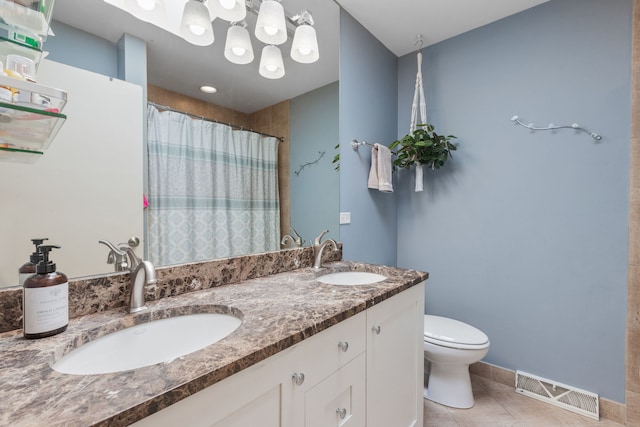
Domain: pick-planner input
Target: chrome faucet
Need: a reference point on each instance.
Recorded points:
(318, 248)
(142, 272)
(295, 240)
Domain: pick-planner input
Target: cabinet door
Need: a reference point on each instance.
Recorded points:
(395, 360)
(252, 397)
(339, 400)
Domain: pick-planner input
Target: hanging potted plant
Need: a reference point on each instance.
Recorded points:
(423, 146)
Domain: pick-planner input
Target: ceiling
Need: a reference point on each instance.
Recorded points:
(397, 26)
(176, 65)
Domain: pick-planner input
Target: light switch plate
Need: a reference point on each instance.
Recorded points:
(345, 217)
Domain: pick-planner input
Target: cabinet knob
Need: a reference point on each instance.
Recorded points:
(376, 330)
(343, 345)
(298, 378)
(342, 412)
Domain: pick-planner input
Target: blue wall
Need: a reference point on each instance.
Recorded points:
(82, 50)
(525, 234)
(315, 190)
(368, 109)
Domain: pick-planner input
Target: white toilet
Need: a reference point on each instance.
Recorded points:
(451, 346)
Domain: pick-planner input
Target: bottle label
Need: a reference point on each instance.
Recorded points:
(46, 309)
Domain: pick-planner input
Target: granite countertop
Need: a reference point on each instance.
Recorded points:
(277, 312)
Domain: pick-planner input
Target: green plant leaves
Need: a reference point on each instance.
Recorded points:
(423, 146)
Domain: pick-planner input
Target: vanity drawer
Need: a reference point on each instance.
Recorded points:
(339, 400)
(326, 352)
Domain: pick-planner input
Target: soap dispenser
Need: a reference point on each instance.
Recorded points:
(45, 299)
(29, 268)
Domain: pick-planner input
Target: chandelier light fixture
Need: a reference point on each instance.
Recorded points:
(191, 20)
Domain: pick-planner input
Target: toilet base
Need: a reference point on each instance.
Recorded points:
(450, 385)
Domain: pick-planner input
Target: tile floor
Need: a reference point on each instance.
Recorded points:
(498, 405)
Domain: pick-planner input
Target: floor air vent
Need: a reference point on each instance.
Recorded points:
(564, 396)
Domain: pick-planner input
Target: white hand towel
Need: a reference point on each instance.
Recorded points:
(373, 172)
(384, 169)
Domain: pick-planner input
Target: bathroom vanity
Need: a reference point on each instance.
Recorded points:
(366, 370)
(306, 354)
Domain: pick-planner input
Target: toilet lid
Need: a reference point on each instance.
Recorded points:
(452, 331)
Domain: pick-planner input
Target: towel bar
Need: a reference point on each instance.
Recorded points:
(355, 144)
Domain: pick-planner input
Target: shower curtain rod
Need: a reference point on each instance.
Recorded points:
(195, 116)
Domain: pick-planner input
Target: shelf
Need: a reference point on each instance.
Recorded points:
(31, 23)
(12, 47)
(30, 115)
(56, 98)
(15, 155)
(28, 128)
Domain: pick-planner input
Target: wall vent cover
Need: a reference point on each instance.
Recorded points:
(561, 395)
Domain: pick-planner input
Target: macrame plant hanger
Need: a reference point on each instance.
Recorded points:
(418, 101)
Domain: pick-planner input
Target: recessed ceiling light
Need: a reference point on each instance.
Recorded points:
(208, 89)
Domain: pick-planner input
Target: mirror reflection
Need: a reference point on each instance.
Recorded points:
(90, 184)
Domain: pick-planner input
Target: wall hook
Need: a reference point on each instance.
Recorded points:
(575, 126)
(419, 41)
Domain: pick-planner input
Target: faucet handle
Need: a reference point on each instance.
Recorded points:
(297, 239)
(113, 248)
(116, 256)
(317, 240)
(134, 260)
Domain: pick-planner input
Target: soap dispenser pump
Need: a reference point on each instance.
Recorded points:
(45, 299)
(29, 268)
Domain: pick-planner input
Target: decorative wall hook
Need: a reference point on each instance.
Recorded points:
(575, 126)
(321, 154)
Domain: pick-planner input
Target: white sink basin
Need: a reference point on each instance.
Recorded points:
(149, 343)
(350, 278)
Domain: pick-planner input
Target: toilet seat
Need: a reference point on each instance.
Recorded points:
(453, 333)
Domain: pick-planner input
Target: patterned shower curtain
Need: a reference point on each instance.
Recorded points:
(213, 191)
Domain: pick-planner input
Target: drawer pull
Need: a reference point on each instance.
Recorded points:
(343, 345)
(342, 412)
(376, 330)
(298, 378)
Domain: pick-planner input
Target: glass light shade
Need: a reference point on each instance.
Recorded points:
(228, 10)
(146, 4)
(271, 65)
(304, 48)
(237, 48)
(196, 25)
(271, 27)
(146, 10)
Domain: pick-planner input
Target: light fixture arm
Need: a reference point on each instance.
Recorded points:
(303, 18)
(242, 23)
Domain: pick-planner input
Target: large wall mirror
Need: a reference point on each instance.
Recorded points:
(176, 66)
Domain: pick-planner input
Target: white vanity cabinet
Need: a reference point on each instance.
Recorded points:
(344, 376)
(395, 335)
